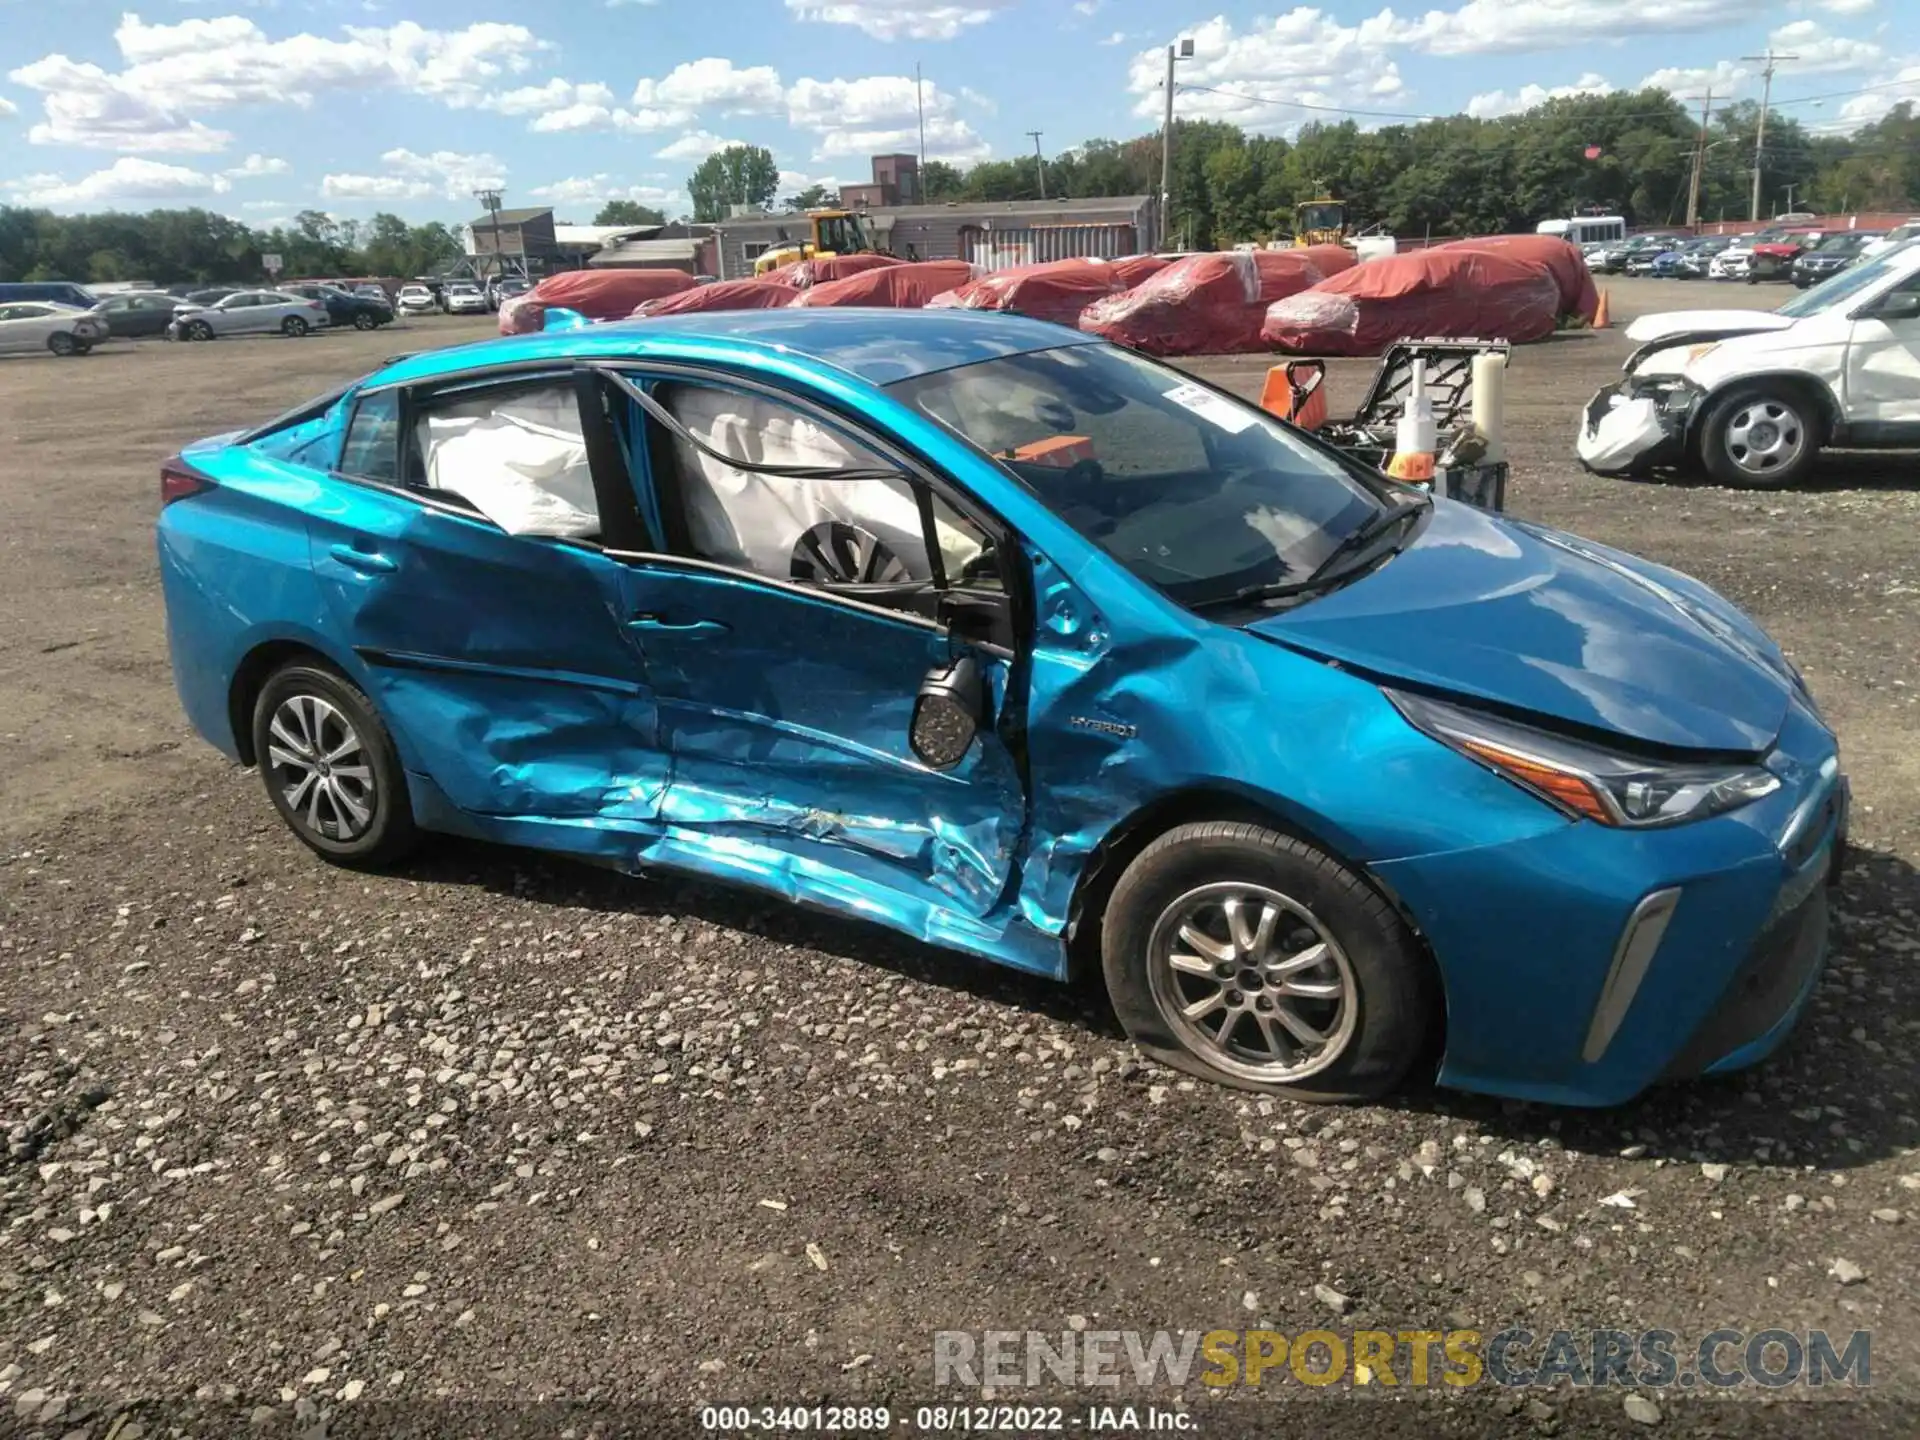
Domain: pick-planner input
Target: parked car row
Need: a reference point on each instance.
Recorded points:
(1804, 256)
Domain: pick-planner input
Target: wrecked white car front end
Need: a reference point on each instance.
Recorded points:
(1645, 421)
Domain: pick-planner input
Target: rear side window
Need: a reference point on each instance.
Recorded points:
(516, 453)
(372, 451)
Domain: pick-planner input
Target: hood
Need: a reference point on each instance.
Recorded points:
(1711, 322)
(1499, 610)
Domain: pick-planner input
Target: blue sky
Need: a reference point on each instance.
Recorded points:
(260, 108)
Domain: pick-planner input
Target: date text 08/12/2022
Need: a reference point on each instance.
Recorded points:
(946, 1419)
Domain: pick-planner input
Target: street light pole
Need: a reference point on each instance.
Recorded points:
(1039, 162)
(491, 199)
(1183, 51)
(1699, 162)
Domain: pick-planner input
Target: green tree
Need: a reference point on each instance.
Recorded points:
(941, 181)
(629, 212)
(814, 197)
(737, 175)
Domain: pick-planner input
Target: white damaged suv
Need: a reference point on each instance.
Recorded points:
(1754, 395)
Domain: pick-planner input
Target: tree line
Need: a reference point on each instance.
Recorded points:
(1628, 154)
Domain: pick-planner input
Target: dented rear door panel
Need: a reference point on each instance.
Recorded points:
(503, 661)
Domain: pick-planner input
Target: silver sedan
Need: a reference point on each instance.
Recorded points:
(249, 312)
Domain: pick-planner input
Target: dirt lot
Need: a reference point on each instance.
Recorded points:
(500, 1130)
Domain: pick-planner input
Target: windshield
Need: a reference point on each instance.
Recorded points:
(1198, 494)
(1844, 286)
(1323, 216)
(842, 235)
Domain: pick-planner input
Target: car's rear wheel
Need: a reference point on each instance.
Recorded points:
(1253, 959)
(1760, 438)
(330, 767)
(364, 321)
(63, 344)
(294, 327)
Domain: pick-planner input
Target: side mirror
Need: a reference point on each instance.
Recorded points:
(947, 713)
(1900, 305)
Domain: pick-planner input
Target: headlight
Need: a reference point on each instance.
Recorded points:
(1587, 780)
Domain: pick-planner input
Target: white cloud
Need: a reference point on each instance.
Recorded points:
(593, 191)
(556, 94)
(446, 174)
(713, 83)
(1816, 52)
(1088, 7)
(900, 19)
(1486, 27)
(1495, 103)
(1888, 91)
(607, 117)
(257, 165)
(1726, 79)
(1846, 7)
(7, 108)
(694, 145)
(1303, 55)
(878, 113)
(173, 73)
(1118, 37)
(128, 178)
(263, 205)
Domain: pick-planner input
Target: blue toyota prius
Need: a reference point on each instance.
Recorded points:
(1038, 650)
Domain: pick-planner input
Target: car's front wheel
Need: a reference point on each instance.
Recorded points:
(330, 767)
(63, 344)
(198, 330)
(1248, 957)
(1759, 438)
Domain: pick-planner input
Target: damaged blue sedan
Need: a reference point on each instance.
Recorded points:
(1034, 649)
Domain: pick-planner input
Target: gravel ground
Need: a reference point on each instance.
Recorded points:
(456, 1149)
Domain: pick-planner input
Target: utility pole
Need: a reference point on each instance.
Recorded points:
(1039, 162)
(920, 108)
(1699, 162)
(1760, 135)
(1183, 51)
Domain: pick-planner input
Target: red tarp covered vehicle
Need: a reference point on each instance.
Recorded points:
(1329, 260)
(1460, 294)
(1210, 304)
(596, 294)
(1563, 261)
(761, 294)
(1132, 269)
(802, 274)
(1057, 290)
(902, 287)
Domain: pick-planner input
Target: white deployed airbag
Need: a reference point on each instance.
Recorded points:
(522, 462)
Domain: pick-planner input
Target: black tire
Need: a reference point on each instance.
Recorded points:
(1385, 981)
(1788, 408)
(63, 344)
(293, 327)
(388, 833)
(199, 330)
(365, 321)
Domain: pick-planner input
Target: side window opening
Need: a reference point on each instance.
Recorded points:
(372, 448)
(868, 534)
(517, 455)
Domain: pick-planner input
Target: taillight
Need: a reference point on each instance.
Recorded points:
(178, 480)
(315, 305)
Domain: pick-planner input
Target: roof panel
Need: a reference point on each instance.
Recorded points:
(878, 346)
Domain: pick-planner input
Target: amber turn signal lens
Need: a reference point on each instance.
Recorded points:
(1574, 793)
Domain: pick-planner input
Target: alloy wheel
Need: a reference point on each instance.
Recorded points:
(319, 766)
(1252, 982)
(1764, 436)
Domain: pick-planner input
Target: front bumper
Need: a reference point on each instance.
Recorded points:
(1530, 938)
(1636, 425)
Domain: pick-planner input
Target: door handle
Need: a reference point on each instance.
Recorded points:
(365, 561)
(657, 625)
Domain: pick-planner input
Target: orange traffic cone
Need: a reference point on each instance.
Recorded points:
(1600, 317)
(1297, 393)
